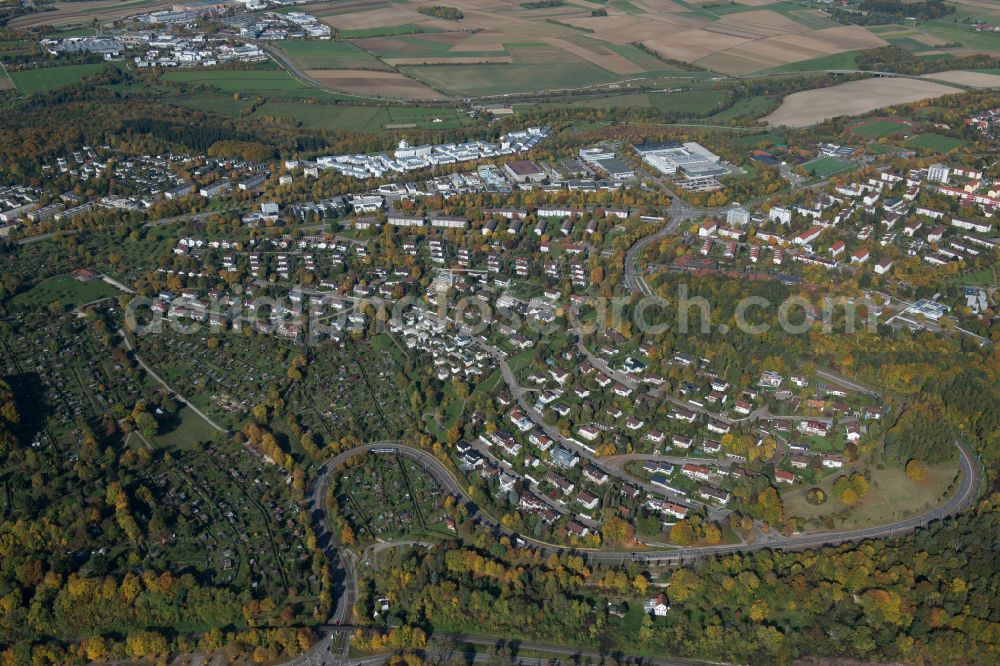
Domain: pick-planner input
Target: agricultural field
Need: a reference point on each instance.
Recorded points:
(680, 102)
(69, 13)
(12, 48)
(824, 167)
(847, 99)
(328, 54)
(971, 79)
(373, 84)
(938, 142)
(500, 46)
(47, 79)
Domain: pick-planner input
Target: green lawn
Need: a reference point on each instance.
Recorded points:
(891, 496)
(35, 81)
(328, 54)
(66, 289)
(187, 432)
(881, 149)
(880, 128)
(766, 139)
(824, 167)
(938, 142)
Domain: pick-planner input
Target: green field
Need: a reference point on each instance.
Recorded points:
(681, 102)
(891, 496)
(845, 60)
(187, 432)
(746, 107)
(765, 139)
(321, 114)
(880, 128)
(948, 31)
(414, 46)
(938, 142)
(881, 149)
(474, 80)
(387, 31)
(66, 290)
(35, 81)
(328, 54)
(362, 118)
(824, 167)
(275, 82)
(647, 61)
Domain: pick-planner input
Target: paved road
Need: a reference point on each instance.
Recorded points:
(452, 646)
(960, 500)
(333, 644)
(40, 237)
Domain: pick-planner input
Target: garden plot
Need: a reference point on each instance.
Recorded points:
(387, 497)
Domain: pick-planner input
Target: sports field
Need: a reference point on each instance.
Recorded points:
(824, 167)
(34, 81)
(938, 142)
(879, 127)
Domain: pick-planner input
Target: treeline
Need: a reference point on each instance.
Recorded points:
(926, 598)
(877, 12)
(897, 59)
(197, 137)
(442, 12)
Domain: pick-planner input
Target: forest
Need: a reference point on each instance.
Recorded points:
(877, 12)
(897, 59)
(929, 597)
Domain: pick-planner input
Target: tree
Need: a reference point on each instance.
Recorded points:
(646, 630)
(147, 424)
(916, 470)
(641, 584)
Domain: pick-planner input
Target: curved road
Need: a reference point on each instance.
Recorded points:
(961, 499)
(323, 651)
